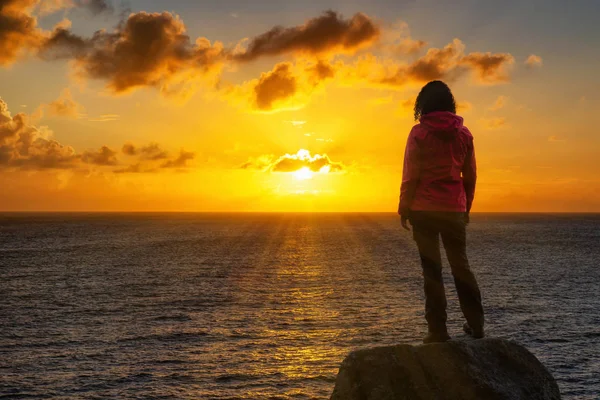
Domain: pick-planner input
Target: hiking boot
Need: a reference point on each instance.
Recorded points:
(433, 337)
(474, 333)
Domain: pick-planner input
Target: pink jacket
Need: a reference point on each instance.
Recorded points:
(439, 166)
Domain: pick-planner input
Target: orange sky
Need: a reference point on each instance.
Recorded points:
(153, 114)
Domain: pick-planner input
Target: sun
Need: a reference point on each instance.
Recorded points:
(303, 174)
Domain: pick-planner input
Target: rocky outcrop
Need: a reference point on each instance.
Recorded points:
(487, 369)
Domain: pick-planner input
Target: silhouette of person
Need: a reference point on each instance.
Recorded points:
(438, 187)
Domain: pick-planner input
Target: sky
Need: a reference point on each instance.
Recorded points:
(268, 105)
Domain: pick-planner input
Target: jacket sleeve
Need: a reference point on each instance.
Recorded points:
(410, 174)
(469, 175)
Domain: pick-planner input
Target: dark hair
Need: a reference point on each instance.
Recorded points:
(435, 96)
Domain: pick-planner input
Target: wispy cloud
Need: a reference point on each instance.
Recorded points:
(65, 106)
(554, 138)
(105, 118)
(399, 42)
(463, 106)
(297, 124)
(493, 123)
(406, 107)
(499, 103)
(380, 101)
(45, 7)
(534, 61)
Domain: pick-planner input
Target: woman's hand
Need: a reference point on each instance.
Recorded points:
(404, 222)
(404, 217)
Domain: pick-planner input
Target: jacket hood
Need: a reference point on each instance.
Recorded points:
(442, 123)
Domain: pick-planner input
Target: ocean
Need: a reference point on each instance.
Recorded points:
(266, 306)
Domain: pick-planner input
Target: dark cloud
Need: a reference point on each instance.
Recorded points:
(274, 86)
(154, 50)
(38, 154)
(63, 44)
(321, 71)
(149, 155)
(18, 29)
(321, 35)
(103, 157)
(489, 68)
(180, 161)
(96, 6)
(152, 151)
(435, 64)
(448, 63)
(25, 146)
(132, 169)
(278, 89)
(147, 166)
(148, 49)
(129, 149)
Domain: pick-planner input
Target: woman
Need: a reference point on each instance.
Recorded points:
(438, 186)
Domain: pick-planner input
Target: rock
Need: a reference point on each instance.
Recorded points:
(486, 369)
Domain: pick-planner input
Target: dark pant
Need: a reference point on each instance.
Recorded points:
(428, 226)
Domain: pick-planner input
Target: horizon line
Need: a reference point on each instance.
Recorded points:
(270, 212)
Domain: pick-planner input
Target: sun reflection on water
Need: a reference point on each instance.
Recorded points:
(293, 309)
